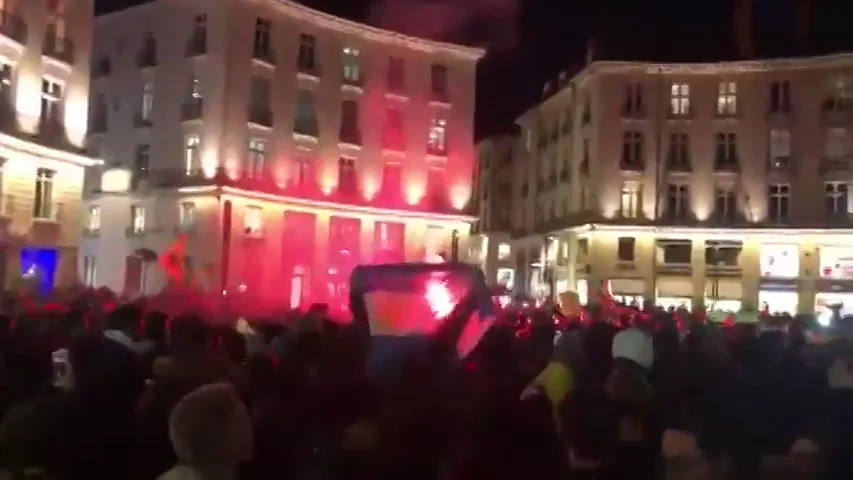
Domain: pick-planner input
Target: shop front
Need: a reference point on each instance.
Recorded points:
(778, 296)
(627, 290)
(582, 289)
(674, 292)
(723, 294)
(836, 263)
(833, 295)
(506, 278)
(778, 290)
(835, 286)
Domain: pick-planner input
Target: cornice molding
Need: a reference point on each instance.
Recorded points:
(841, 60)
(374, 34)
(716, 68)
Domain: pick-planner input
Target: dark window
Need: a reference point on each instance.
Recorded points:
(625, 249)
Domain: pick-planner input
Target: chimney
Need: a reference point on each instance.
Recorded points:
(742, 29)
(804, 20)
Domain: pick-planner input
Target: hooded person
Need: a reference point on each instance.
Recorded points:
(610, 429)
(211, 433)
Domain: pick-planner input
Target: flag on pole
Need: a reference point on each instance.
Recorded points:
(172, 260)
(408, 307)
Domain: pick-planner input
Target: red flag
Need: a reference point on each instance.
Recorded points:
(172, 260)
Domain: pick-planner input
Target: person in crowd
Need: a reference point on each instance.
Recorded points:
(539, 397)
(56, 434)
(611, 429)
(211, 433)
(123, 324)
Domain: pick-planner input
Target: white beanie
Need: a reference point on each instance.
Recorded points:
(635, 345)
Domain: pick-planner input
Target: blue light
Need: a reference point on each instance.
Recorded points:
(40, 262)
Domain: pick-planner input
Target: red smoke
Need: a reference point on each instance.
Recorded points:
(482, 21)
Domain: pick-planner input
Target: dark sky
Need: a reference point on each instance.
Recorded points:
(530, 41)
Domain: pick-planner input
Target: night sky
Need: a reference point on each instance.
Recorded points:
(530, 41)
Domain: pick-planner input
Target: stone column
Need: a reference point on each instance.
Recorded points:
(320, 271)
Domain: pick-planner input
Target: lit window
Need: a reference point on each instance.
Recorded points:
(679, 99)
(195, 89)
(779, 202)
(192, 154)
(253, 219)
(137, 218)
(437, 144)
(504, 251)
(351, 64)
(147, 100)
(94, 218)
(256, 157)
(836, 197)
(186, 214)
(43, 201)
(51, 97)
(727, 98)
(629, 205)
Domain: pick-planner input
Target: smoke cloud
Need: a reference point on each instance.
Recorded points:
(490, 23)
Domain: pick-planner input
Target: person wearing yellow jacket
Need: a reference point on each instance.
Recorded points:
(559, 376)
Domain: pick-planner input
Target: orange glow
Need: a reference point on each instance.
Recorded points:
(15, 147)
(369, 189)
(453, 221)
(280, 176)
(209, 164)
(232, 168)
(440, 300)
(328, 184)
(459, 196)
(414, 194)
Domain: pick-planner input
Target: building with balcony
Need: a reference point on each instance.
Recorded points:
(286, 145)
(723, 185)
(44, 88)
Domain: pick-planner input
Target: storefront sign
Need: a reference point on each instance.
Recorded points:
(724, 289)
(627, 286)
(678, 287)
(780, 261)
(828, 285)
(836, 263)
(779, 285)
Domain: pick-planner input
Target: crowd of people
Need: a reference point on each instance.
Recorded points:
(105, 389)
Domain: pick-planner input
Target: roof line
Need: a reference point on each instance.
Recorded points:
(737, 66)
(350, 27)
(375, 33)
